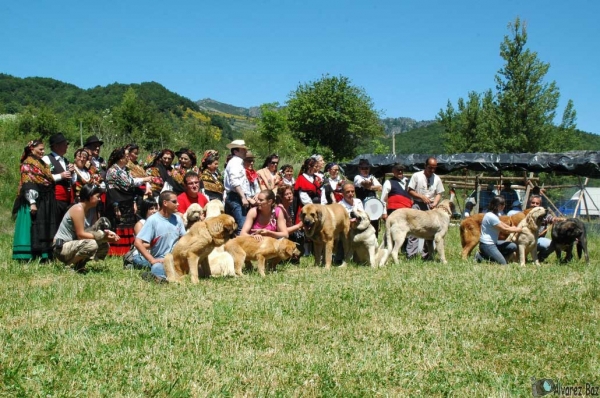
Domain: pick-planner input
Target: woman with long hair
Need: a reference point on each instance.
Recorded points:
(268, 177)
(35, 207)
(212, 180)
(489, 247)
(285, 201)
(122, 189)
(73, 245)
(266, 219)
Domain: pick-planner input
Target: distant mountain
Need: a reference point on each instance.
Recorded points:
(212, 105)
(16, 93)
(396, 125)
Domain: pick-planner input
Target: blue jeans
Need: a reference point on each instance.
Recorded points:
(496, 253)
(233, 207)
(158, 270)
(543, 248)
(140, 262)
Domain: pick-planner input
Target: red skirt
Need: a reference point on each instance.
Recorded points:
(124, 244)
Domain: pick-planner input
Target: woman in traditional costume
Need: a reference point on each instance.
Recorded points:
(268, 177)
(35, 207)
(122, 190)
(212, 180)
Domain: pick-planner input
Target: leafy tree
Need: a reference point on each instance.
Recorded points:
(39, 122)
(526, 104)
(333, 113)
(272, 124)
(519, 116)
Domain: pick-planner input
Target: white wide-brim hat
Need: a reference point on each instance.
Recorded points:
(237, 144)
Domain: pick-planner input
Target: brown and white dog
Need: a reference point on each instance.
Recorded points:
(528, 237)
(324, 225)
(194, 247)
(430, 225)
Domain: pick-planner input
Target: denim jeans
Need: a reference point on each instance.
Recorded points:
(140, 262)
(158, 270)
(496, 253)
(543, 248)
(233, 207)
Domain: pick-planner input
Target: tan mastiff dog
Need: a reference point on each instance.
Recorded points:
(326, 224)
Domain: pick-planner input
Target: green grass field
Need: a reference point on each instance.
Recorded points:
(413, 329)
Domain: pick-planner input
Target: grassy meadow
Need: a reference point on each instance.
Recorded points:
(412, 329)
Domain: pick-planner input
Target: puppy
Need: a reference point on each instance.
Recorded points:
(565, 234)
(470, 230)
(214, 208)
(100, 225)
(194, 247)
(325, 224)
(246, 248)
(220, 263)
(364, 240)
(430, 225)
(193, 214)
(528, 237)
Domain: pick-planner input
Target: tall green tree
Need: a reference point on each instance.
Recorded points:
(519, 116)
(272, 124)
(333, 113)
(526, 103)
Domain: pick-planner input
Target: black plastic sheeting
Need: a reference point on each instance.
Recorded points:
(578, 163)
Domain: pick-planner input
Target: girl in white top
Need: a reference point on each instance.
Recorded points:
(490, 248)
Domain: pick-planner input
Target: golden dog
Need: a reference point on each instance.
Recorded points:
(528, 237)
(470, 230)
(245, 248)
(325, 224)
(364, 241)
(194, 247)
(430, 225)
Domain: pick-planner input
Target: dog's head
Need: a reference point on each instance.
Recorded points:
(535, 218)
(289, 249)
(311, 217)
(214, 208)
(103, 223)
(192, 215)
(359, 220)
(569, 230)
(221, 228)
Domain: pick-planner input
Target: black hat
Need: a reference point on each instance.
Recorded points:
(57, 139)
(364, 163)
(93, 140)
(181, 152)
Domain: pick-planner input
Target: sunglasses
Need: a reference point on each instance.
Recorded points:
(275, 163)
(174, 201)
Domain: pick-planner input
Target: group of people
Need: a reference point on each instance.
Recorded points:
(58, 201)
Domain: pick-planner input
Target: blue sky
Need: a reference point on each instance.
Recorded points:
(411, 57)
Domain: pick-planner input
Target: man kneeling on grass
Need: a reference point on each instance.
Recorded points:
(160, 232)
(72, 244)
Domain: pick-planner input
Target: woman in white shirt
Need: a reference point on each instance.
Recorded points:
(490, 248)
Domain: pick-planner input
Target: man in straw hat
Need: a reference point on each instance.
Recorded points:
(236, 184)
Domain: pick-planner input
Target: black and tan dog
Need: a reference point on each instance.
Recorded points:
(565, 234)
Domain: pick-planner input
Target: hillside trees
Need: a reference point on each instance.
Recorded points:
(272, 124)
(332, 113)
(519, 116)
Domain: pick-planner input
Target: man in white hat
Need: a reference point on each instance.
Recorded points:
(236, 183)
